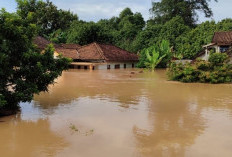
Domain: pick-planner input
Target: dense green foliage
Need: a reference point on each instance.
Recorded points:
(186, 41)
(172, 20)
(191, 43)
(154, 59)
(120, 31)
(165, 10)
(216, 70)
(24, 70)
(45, 15)
(156, 55)
(171, 31)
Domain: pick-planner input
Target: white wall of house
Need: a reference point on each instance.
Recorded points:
(217, 48)
(100, 67)
(205, 56)
(112, 65)
(183, 61)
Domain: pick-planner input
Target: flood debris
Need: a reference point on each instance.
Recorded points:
(90, 132)
(83, 133)
(73, 127)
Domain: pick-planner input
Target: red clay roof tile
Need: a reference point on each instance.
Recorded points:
(105, 52)
(70, 46)
(69, 53)
(93, 51)
(222, 38)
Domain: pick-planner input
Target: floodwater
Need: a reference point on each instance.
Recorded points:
(118, 114)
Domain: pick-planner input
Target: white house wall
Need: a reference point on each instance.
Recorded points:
(101, 67)
(183, 61)
(112, 66)
(204, 57)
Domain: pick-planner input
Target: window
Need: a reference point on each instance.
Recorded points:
(117, 66)
(71, 66)
(224, 48)
(108, 66)
(124, 66)
(78, 67)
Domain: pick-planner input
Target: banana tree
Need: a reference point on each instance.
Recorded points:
(153, 57)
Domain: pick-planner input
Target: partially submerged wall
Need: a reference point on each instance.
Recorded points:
(184, 61)
(115, 66)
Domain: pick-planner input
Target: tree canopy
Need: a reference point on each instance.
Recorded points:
(120, 31)
(45, 15)
(173, 20)
(165, 10)
(24, 70)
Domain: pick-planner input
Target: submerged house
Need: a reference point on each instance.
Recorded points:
(103, 56)
(92, 56)
(221, 43)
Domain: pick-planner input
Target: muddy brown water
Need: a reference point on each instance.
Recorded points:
(118, 114)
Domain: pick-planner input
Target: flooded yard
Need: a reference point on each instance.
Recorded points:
(118, 114)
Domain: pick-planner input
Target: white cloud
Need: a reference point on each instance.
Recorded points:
(94, 10)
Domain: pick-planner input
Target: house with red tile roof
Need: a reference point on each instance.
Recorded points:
(221, 43)
(104, 56)
(92, 56)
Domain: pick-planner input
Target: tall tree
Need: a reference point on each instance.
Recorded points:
(83, 33)
(45, 15)
(24, 71)
(169, 31)
(167, 9)
(121, 30)
(129, 25)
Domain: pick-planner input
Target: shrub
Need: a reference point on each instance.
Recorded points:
(202, 65)
(217, 59)
(216, 70)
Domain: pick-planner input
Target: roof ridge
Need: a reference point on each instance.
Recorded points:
(119, 48)
(86, 45)
(99, 50)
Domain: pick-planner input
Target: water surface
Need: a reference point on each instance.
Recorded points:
(118, 114)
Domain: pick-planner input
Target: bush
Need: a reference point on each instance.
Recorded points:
(202, 65)
(218, 59)
(216, 70)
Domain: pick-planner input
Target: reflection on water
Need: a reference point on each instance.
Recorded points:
(28, 138)
(115, 113)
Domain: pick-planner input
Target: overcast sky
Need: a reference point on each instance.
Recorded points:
(94, 10)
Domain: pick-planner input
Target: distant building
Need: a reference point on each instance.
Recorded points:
(92, 56)
(221, 43)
